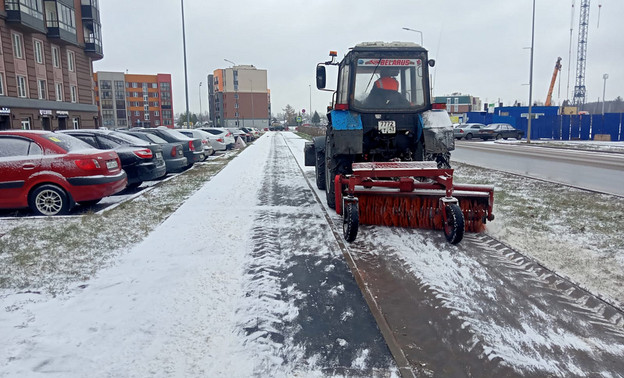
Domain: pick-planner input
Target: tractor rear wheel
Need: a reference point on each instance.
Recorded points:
(454, 226)
(330, 174)
(350, 221)
(319, 169)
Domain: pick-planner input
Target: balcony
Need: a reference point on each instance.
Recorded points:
(93, 48)
(30, 19)
(60, 33)
(90, 12)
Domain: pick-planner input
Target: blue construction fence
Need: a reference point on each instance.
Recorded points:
(555, 126)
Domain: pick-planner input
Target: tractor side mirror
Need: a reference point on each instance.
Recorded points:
(321, 77)
(431, 62)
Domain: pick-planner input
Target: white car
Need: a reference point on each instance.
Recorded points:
(195, 133)
(223, 135)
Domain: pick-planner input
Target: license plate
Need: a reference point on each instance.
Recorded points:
(111, 164)
(158, 155)
(386, 127)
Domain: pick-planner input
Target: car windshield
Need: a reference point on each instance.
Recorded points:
(389, 83)
(124, 138)
(177, 134)
(154, 138)
(67, 142)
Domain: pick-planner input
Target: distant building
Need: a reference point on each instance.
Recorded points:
(239, 97)
(457, 103)
(47, 49)
(129, 100)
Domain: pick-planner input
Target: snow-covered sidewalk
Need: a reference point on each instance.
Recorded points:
(210, 292)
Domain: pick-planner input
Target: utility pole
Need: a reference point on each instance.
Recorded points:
(188, 117)
(531, 77)
(200, 107)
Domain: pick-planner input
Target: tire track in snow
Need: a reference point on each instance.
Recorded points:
(305, 312)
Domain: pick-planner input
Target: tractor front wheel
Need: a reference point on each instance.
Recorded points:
(454, 225)
(350, 221)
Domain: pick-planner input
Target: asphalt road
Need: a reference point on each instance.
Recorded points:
(592, 170)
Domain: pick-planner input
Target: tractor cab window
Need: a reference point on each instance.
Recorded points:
(389, 83)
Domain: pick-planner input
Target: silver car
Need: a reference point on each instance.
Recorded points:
(222, 134)
(196, 133)
(467, 130)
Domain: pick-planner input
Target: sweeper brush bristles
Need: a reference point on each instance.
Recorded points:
(417, 211)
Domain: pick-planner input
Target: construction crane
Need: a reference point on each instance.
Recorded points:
(581, 55)
(552, 82)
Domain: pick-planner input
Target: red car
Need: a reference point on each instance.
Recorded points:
(51, 172)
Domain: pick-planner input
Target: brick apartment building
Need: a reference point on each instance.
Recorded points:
(239, 97)
(129, 100)
(47, 49)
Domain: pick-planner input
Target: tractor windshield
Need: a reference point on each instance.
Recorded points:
(389, 83)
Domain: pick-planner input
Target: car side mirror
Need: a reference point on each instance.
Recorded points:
(431, 62)
(321, 77)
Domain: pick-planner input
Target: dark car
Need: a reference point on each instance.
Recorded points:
(141, 160)
(193, 147)
(467, 130)
(50, 172)
(173, 152)
(500, 131)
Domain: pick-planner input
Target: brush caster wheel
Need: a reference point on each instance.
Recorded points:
(350, 220)
(454, 225)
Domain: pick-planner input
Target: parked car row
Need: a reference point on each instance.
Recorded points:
(51, 172)
(492, 131)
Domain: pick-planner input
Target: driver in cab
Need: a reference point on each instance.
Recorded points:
(385, 92)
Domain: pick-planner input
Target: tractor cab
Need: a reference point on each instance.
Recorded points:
(381, 77)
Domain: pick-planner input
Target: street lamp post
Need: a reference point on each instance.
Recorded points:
(253, 117)
(604, 89)
(200, 107)
(235, 92)
(531, 77)
(188, 120)
(417, 31)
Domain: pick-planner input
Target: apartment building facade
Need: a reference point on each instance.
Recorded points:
(239, 97)
(131, 100)
(47, 49)
(458, 103)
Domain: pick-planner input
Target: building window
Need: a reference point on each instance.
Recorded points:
(59, 91)
(17, 46)
(74, 93)
(70, 61)
(135, 85)
(76, 123)
(137, 113)
(56, 57)
(42, 88)
(25, 123)
(155, 85)
(21, 86)
(146, 116)
(1, 84)
(154, 94)
(38, 51)
(156, 113)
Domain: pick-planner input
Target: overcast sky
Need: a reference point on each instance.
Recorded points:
(481, 47)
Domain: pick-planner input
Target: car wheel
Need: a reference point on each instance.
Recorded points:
(519, 136)
(134, 185)
(89, 203)
(468, 136)
(498, 137)
(49, 200)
